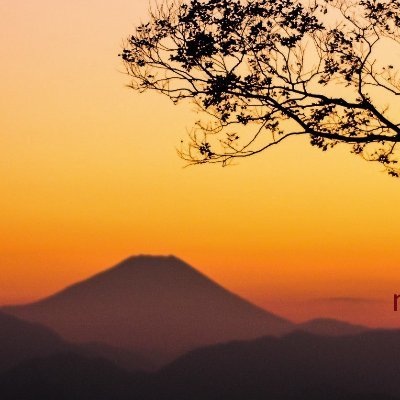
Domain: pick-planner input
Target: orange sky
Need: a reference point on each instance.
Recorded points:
(89, 176)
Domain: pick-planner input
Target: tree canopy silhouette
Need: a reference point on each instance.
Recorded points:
(324, 69)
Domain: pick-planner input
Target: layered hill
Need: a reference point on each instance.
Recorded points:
(159, 306)
(298, 366)
(22, 341)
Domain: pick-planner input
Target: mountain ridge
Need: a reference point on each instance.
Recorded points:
(158, 304)
(127, 264)
(296, 366)
(160, 307)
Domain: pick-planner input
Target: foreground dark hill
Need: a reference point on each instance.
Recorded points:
(21, 341)
(158, 305)
(68, 377)
(299, 366)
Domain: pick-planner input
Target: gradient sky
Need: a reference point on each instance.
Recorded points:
(89, 175)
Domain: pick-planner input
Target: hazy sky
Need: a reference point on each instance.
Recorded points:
(89, 175)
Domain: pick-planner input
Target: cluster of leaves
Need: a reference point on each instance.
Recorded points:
(280, 66)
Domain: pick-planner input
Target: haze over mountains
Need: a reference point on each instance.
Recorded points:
(330, 327)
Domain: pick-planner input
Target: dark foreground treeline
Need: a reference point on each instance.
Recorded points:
(295, 367)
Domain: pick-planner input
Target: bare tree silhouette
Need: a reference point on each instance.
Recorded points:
(325, 69)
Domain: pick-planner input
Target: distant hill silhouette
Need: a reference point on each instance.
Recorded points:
(122, 358)
(159, 306)
(21, 341)
(298, 366)
(330, 327)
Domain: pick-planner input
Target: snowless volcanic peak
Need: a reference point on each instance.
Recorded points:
(157, 305)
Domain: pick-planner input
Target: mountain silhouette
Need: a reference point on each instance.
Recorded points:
(21, 341)
(159, 306)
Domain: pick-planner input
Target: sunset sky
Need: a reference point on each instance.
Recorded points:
(89, 175)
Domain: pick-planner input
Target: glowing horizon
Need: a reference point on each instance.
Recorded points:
(89, 176)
